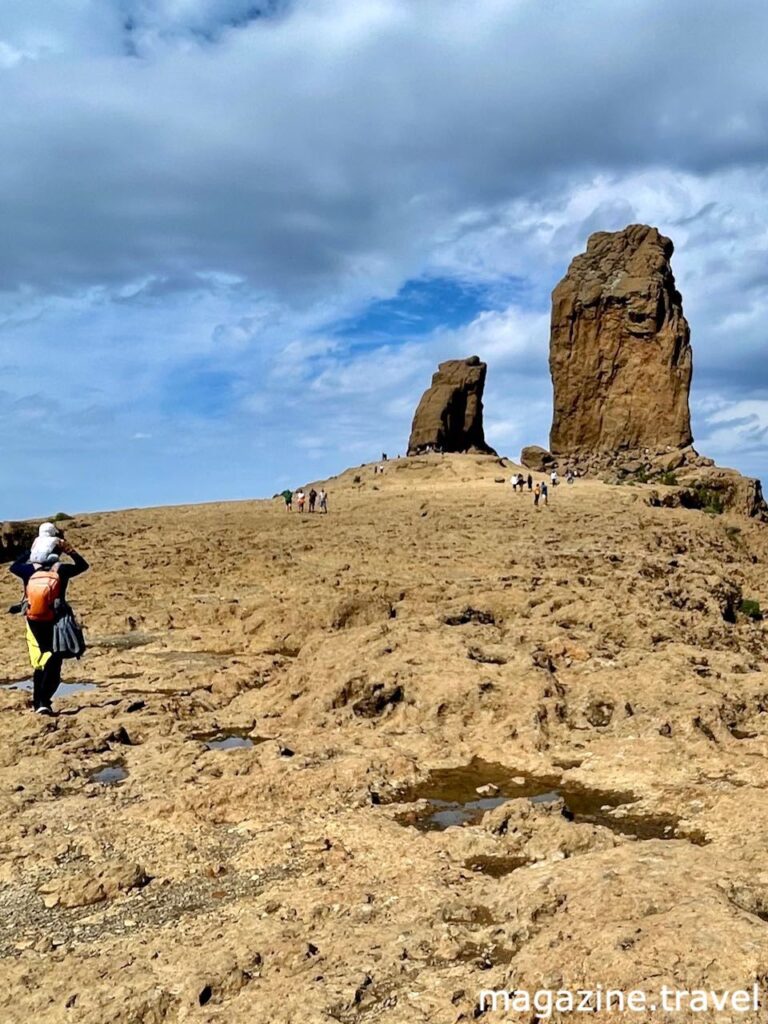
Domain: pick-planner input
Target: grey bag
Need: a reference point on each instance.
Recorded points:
(68, 639)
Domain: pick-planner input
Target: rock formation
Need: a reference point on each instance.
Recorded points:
(16, 538)
(619, 352)
(449, 417)
(534, 457)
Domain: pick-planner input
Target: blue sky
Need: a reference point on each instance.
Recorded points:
(237, 237)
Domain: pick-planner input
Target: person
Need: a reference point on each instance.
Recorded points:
(323, 501)
(45, 588)
(545, 492)
(553, 478)
(569, 476)
(536, 496)
(312, 499)
(300, 499)
(46, 542)
(287, 496)
(530, 482)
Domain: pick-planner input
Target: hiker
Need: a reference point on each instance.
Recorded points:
(530, 482)
(51, 631)
(536, 496)
(544, 492)
(569, 476)
(553, 478)
(323, 501)
(300, 499)
(312, 499)
(287, 497)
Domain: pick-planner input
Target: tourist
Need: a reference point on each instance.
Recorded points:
(536, 496)
(530, 482)
(45, 609)
(569, 476)
(544, 492)
(300, 499)
(312, 499)
(323, 501)
(287, 497)
(553, 478)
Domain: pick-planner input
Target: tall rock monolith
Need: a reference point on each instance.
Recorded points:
(449, 417)
(619, 353)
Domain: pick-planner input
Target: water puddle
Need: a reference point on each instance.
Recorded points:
(228, 739)
(495, 867)
(452, 797)
(64, 689)
(109, 774)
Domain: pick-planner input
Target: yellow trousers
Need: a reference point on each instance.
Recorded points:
(38, 658)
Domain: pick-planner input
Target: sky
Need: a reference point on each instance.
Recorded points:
(237, 237)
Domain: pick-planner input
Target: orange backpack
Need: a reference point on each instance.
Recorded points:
(43, 591)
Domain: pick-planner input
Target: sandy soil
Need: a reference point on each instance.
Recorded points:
(431, 636)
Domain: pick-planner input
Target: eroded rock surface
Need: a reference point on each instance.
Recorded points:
(607, 648)
(620, 356)
(449, 417)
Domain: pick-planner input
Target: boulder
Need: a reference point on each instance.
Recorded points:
(534, 457)
(449, 417)
(619, 355)
(15, 539)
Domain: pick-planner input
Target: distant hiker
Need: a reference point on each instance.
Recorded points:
(312, 499)
(536, 496)
(569, 476)
(553, 478)
(383, 456)
(300, 499)
(322, 499)
(544, 492)
(530, 482)
(51, 631)
(287, 497)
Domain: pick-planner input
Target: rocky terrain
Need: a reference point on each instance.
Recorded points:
(359, 767)
(449, 416)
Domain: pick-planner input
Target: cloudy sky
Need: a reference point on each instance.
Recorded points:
(237, 236)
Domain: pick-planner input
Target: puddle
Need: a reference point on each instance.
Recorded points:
(228, 739)
(109, 774)
(64, 689)
(495, 867)
(451, 799)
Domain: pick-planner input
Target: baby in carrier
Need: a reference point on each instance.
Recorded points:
(51, 631)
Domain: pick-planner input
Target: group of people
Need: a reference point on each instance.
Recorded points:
(315, 500)
(52, 632)
(540, 490)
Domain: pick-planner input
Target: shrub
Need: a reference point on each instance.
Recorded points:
(668, 479)
(709, 500)
(60, 517)
(751, 609)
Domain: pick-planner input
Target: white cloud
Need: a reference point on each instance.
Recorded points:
(196, 193)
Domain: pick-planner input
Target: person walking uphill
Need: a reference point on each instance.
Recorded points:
(52, 634)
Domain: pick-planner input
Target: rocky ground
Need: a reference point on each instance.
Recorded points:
(576, 693)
